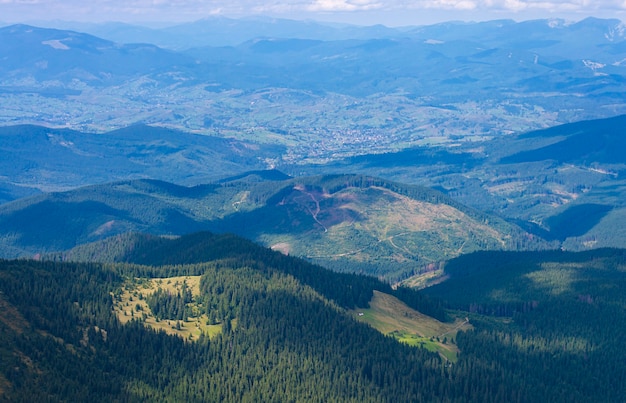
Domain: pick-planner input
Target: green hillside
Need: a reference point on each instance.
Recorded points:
(363, 224)
(217, 318)
(600, 141)
(564, 183)
(150, 250)
(558, 311)
(273, 328)
(346, 222)
(63, 343)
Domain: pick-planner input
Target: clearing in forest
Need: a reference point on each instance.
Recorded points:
(390, 316)
(131, 303)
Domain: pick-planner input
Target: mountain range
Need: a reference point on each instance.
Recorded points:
(538, 183)
(44, 159)
(346, 222)
(273, 210)
(223, 31)
(323, 98)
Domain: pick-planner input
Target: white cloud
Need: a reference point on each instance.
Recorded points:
(569, 5)
(178, 10)
(344, 5)
(452, 4)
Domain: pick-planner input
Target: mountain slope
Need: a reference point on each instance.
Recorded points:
(50, 159)
(63, 342)
(347, 290)
(357, 223)
(350, 222)
(559, 306)
(282, 337)
(595, 141)
(564, 183)
(48, 54)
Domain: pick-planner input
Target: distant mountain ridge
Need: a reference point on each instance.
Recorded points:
(67, 55)
(48, 159)
(304, 91)
(223, 31)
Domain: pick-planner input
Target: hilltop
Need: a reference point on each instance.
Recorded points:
(564, 183)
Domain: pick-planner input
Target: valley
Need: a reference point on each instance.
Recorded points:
(433, 85)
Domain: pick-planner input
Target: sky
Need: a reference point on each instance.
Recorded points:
(361, 12)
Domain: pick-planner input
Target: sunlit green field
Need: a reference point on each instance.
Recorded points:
(392, 317)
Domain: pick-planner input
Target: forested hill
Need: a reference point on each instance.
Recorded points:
(555, 314)
(68, 335)
(250, 324)
(347, 222)
(50, 159)
(347, 290)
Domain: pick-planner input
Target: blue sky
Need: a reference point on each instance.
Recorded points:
(363, 12)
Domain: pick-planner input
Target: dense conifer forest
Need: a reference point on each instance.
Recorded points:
(286, 333)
